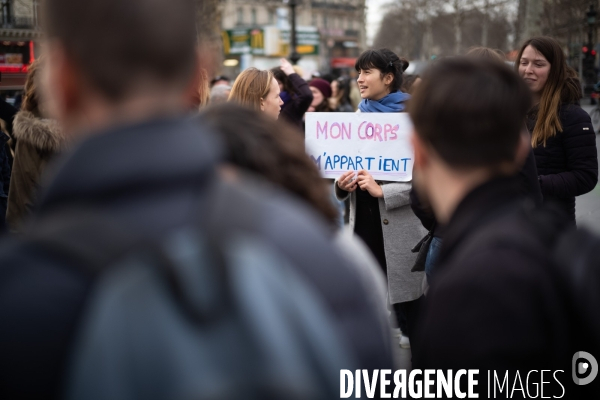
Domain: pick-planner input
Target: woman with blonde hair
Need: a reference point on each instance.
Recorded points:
(36, 141)
(258, 90)
(562, 136)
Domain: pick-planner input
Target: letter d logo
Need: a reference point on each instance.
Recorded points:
(590, 364)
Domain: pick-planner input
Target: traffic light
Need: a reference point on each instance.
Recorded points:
(588, 65)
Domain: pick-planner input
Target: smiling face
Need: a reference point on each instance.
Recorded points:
(372, 85)
(534, 69)
(271, 104)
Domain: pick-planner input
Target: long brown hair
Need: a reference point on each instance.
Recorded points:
(31, 98)
(561, 87)
(250, 87)
(273, 150)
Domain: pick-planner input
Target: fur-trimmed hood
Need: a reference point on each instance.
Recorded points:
(45, 134)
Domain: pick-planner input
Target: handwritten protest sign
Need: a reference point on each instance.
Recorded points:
(376, 142)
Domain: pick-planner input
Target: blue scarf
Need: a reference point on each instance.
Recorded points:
(393, 102)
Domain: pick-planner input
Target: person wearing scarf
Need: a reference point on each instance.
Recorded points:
(380, 212)
(393, 102)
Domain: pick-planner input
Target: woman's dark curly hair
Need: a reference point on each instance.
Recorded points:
(385, 61)
(273, 150)
(284, 79)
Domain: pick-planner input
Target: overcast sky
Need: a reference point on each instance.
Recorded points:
(373, 17)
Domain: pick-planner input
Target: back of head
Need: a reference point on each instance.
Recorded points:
(219, 94)
(471, 111)
(124, 47)
(273, 150)
(385, 61)
(486, 53)
(250, 87)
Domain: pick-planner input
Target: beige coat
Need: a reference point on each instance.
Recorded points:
(36, 142)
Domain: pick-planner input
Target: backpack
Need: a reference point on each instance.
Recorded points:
(199, 313)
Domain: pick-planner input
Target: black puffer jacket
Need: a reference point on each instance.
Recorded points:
(568, 164)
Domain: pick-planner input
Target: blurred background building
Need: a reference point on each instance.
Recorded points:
(330, 34)
(19, 42)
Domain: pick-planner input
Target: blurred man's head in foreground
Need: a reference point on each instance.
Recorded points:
(111, 52)
(469, 121)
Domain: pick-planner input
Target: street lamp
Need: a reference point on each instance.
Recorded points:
(294, 56)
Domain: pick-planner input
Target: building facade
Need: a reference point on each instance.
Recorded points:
(19, 39)
(330, 33)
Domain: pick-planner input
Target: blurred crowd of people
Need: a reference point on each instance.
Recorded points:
(167, 236)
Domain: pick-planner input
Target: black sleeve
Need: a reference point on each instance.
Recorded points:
(301, 101)
(579, 146)
(425, 215)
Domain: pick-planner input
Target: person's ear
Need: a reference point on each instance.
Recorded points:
(262, 104)
(388, 79)
(421, 156)
(61, 82)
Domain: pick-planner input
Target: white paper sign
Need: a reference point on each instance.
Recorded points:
(376, 142)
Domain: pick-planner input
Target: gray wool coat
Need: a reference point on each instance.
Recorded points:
(402, 230)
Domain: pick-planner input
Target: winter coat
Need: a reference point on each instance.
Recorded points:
(568, 163)
(153, 178)
(36, 142)
(495, 303)
(293, 111)
(402, 230)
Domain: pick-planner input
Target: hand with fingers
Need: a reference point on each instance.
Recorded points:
(347, 182)
(286, 67)
(366, 182)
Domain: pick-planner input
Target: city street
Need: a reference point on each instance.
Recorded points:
(587, 208)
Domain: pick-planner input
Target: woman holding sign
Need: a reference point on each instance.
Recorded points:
(380, 212)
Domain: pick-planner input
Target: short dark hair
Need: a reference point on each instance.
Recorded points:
(385, 61)
(284, 80)
(471, 111)
(121, 44)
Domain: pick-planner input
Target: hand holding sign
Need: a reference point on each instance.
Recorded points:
(347, 182)
(366, 182)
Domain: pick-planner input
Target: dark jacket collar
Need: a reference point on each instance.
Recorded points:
(480, 206)
(145, 154)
